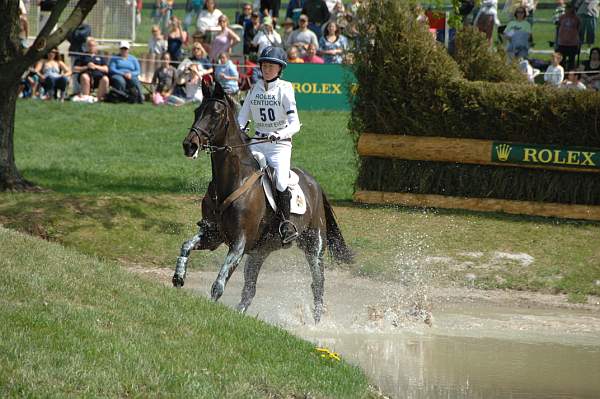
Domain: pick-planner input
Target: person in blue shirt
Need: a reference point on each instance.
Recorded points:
(227, 74)
(124, 72)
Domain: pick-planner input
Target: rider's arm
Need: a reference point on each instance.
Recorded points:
(293, 122)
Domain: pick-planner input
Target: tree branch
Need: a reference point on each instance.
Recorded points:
(51, 22)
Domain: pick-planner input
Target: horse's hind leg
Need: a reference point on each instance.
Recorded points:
(251, 270)
(314, 249)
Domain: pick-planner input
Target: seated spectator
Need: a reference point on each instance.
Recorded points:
(176, 39)
(124, 70)
(302, 37)
(227, 75)
(487, 18)
(200, 57)
(572, 82)
(317, 13)
(294, 10)
(245, 17)
(28, 87)
(189, 81)
(555, 72)
(163, 82)
(250, 31)
(591, 67)
(527, 70)
(157, 44)
(288, 29)
(224, 41)
(518, 32)
(333, 45)
(93, 74)
(293, 56)
(193, 8)
(311, 56)
(53, 73)
(209, 17)
(568, 37)
(267, 36)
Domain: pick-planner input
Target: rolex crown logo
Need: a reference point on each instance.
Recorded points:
(503, 151)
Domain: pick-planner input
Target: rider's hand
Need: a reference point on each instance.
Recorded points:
(274, 137)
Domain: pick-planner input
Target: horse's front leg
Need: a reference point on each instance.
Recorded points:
(182, 259)
(232, 260)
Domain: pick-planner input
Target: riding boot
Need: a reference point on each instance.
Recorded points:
(287, 229)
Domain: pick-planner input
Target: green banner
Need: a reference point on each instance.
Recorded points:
(574, 157)
(321, 86)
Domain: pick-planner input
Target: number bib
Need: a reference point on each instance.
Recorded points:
(269, 108)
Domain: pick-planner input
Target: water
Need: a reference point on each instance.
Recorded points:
(430, 344)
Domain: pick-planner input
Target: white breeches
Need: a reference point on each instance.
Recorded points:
(278, 155)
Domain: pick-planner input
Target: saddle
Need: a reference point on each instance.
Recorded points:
(298, 200)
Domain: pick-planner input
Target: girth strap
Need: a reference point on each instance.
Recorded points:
(241, 190)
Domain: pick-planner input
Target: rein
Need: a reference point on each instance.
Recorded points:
(210, 149)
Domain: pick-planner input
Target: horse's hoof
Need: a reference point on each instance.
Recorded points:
(177, 281)
(241, 308)
(217, 290)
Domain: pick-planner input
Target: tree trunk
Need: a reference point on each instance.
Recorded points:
(10, 178)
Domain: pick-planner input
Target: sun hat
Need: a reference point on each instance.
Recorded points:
(268, 21)
(123, 44)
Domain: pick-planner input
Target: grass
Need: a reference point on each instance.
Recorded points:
(75, 326)
(123, 191)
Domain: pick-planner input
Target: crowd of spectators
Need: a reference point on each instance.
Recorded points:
(184, 52)
(575, 26)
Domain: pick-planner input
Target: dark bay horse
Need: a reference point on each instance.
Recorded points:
(241, 217)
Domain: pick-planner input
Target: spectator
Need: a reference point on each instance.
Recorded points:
(193, 8)
(338, 15)
(245, 17)
(209, 17)
(572, 82)
(227, 75)
(555, 72)
(189, 79)
(487, 18)
(200, 57)
(294, 10)
(163, 82)
(591, 67)
(302, 37)
(270, 8)
(157, 45)
(124, 70)
(527, 70)
(587, 11)
(311, 55)
(288, 28)
(530, 6)
(518, 32)
(54, 74)
(93, 73)
(163, 10)
(224, 41)
(250, 31)
(267, 36)
(317, 13)
(30, 82)
(23, 25)
(293, 58)
(333, 45)
(176, 39)
(558, 12)
(77, 40)
(568, 37)
(331, 4)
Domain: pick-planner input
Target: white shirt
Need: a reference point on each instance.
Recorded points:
(273, 110)
(264, 40)
(207, 19)
(554, 75)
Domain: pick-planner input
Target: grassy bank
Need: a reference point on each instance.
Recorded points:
(74, 326)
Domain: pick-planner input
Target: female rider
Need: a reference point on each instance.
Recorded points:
(271, 104)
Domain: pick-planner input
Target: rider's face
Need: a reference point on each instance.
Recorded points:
(270, 70)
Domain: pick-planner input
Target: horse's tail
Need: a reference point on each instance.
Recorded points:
(335, 241)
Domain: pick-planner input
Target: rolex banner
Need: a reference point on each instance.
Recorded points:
(575, 157)
(321, 86)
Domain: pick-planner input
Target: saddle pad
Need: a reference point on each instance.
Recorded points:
(298, 200)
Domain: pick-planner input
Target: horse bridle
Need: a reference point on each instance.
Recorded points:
(209, 148)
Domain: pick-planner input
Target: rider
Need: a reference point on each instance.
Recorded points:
(272, 106)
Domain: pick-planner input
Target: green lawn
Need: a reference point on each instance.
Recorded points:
(75, 326)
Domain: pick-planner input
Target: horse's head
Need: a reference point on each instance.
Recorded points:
(211, 121)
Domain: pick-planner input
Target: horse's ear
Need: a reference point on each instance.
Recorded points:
(219, 92)
(205, 89)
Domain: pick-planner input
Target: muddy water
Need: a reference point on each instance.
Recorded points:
(417, 342)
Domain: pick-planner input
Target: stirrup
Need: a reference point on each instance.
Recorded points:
(291, 237)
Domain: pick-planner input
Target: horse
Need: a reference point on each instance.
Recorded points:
(236, 211)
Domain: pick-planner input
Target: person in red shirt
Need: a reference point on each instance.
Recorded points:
(311, 55)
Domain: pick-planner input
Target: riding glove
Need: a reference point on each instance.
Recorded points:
(274, 137)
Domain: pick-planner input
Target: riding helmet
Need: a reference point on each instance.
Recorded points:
(275, 55)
